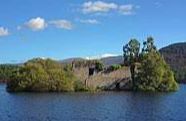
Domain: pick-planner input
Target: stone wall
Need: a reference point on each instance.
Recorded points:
(103, 79)
(81, 73)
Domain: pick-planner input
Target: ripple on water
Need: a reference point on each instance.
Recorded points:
(103, 106)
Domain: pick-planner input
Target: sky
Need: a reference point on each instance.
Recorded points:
(62, 29)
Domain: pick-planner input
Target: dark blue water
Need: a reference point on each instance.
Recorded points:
(104, 106)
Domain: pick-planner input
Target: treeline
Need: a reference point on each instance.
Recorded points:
(44, 75)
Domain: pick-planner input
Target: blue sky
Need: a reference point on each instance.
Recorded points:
(78, 28)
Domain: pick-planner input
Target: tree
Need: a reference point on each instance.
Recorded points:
(148, 46)
(149, 71)
(131, 52)
(131, 56)
(154, 74)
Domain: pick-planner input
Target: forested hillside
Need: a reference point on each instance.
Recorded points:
(175, 56)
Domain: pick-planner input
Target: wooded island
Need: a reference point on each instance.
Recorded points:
(141, 70)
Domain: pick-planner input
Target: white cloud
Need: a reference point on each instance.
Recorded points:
(36, 24)
(39, 23)
(4, 31)
(64, 24)
(101, 56)
(90, 21)
(126, 9)
(108, 55)
(98, 6)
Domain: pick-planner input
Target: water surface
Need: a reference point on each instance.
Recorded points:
(103, 106)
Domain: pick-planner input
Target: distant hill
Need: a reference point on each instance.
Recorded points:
(107, 61)
(112, 60)
(175, 56)
(69, 60)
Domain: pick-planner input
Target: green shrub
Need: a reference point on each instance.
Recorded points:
(115, 67)
(80, 86)
(6, 71)
(99, 66)
(41, 75)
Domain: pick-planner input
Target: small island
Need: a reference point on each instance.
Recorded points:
(141, 70)
(92, 60)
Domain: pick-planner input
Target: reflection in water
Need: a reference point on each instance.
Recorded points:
(104, 106)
